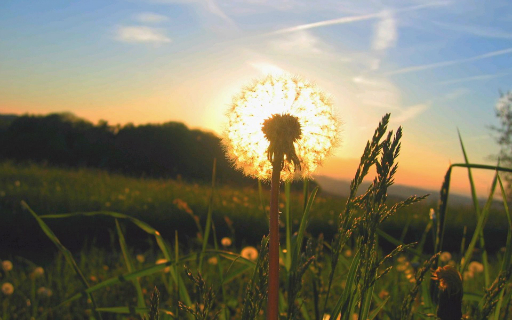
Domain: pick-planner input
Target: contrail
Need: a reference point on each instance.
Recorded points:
(353, 18)
(449, 63)
(474, 78)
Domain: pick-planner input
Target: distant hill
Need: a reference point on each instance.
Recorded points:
(341, 187)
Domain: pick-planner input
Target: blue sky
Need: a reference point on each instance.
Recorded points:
(435, 65)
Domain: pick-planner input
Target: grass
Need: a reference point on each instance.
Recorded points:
(357, 272)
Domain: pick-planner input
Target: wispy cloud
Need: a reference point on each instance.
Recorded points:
(298, 42)
(377, 92)
(385, 32)
(474, 78)
(209, 6)
(480, 31)
(450, 62)
(409, 113)
(141, 34)
(266, 68)
(216, 10)
(150, 17)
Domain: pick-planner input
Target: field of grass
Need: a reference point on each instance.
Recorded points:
(179, 211)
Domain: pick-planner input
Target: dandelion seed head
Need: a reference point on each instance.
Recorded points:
(6, 265)
(475, 267)
(314, 132)
(226, 242)
(44, 292)
(213, 260)
(445, 256)
(7, 288)
(449, 279)
(249, 253)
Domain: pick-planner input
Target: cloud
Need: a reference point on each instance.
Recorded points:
(202, 6)
(149, 17)
(450, 62)
(297, 42)
(410, 113)
(385, 32)
(378, 92)
(480, 31)
(141, 34)
(266, 68)
(383, 94)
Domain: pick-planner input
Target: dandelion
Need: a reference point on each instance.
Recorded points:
(296, 118)
(226, 242)
(37, 272)
(140, 258)
(279, 128)
(6, 265)
(468, 275)
(7, 289)
(161, 261)
(213, 261)
(445, 256)
(249, 253)
(450, 292)
(475, 267)
(44, 292)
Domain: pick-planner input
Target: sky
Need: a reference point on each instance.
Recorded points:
(436, 66)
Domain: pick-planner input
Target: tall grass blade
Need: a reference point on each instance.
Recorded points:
(207, 227)
(343, 303)
(508, 250)
(129, 265)
(476, 205)
(288, 256)
(144, 226)
(375, 312)
(65, 252)
(480, 225)
(302, 229)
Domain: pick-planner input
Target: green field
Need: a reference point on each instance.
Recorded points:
(179, 210)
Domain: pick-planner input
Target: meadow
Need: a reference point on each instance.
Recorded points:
(88, 244)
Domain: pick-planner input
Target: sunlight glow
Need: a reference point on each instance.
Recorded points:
(245, 143)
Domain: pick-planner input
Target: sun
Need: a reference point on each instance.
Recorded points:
(247, 146)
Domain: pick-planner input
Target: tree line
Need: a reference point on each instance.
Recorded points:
(168, 150)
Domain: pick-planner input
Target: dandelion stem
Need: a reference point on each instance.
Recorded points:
(273, 281)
